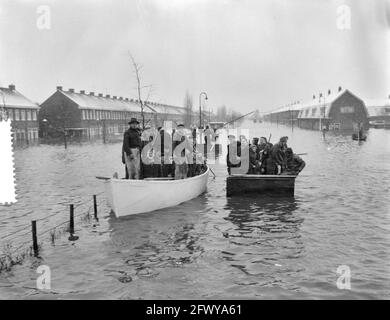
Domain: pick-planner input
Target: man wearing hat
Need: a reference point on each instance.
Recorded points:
(278, 154)
(233, 159)
(181, 151)
(294, 163)
(132, 149)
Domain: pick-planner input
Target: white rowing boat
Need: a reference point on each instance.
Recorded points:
(127, 197)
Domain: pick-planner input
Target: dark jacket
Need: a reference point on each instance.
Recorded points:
(278, 154)
(131, 140)
(295, 164)
(234, 150)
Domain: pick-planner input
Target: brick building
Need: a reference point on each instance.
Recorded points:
(22, 112)
(379, 112)
(83, 114)
(340, 111)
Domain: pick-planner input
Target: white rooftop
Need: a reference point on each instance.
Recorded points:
(12, 98)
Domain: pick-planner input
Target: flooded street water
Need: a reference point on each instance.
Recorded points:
(212, 246)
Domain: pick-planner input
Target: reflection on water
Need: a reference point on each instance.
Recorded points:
(213, 246)
(269, 228)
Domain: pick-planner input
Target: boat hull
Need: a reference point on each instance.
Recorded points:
(279, 185)
(356, 137)
(128, 197)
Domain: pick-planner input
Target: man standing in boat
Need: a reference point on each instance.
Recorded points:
(294, 163)
(278, 154)
(181, 152)
(233, 159)
(132, 149)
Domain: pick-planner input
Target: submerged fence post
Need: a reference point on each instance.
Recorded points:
(95, 208)
(34, 237)
(71, 220)
(71, 224)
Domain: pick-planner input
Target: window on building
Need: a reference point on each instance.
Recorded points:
(17, 114)
(313, 111)
(28, 115)
(387, 110)
(347, 109)
(34, 115)
(322, 111)
(10, 113)
(307, 112)
(22, 115)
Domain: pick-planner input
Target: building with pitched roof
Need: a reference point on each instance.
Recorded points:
(84, 114)
(340, 111)
(379, 112)
(23, 114)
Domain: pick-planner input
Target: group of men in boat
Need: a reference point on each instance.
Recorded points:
(263, 157)
(177, 156)
(159, 153)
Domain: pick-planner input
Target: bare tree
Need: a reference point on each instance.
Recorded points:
(137, 70)
(188, 103)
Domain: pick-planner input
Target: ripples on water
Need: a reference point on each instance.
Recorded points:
(213, 246)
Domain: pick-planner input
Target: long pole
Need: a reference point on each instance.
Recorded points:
(238, 118)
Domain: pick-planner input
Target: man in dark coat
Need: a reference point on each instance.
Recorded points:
(278, 154)
(132, 149)
(233, 159)
(294, 163)
(267, 165)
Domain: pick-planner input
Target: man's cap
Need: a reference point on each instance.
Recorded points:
(255, 139)
(133, 120)
(283, 139)
(180, 125)
(231, 136)
(289, 150)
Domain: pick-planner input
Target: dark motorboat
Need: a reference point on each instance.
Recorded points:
(358, 137)
(278, 185)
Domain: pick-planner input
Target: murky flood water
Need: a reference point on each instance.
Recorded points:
(212, 246)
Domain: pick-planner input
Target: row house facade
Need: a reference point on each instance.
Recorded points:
(90, 115)
(22, 112)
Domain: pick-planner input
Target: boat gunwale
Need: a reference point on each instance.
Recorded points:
(261, 176)
(133, 181)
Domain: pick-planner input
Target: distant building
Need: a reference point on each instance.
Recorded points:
(83, 114)
(340, 111)
(22, 112)
(379, 112)
(286, 115)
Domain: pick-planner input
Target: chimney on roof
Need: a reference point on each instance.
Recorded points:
(11, 87)
(340, 88)
(108, 96)
(71, 90)
(82, 91)
(100, 95)
(92, 93)
(328, 92)
(59, 88)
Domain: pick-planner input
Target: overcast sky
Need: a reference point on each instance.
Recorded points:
(244, 54)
